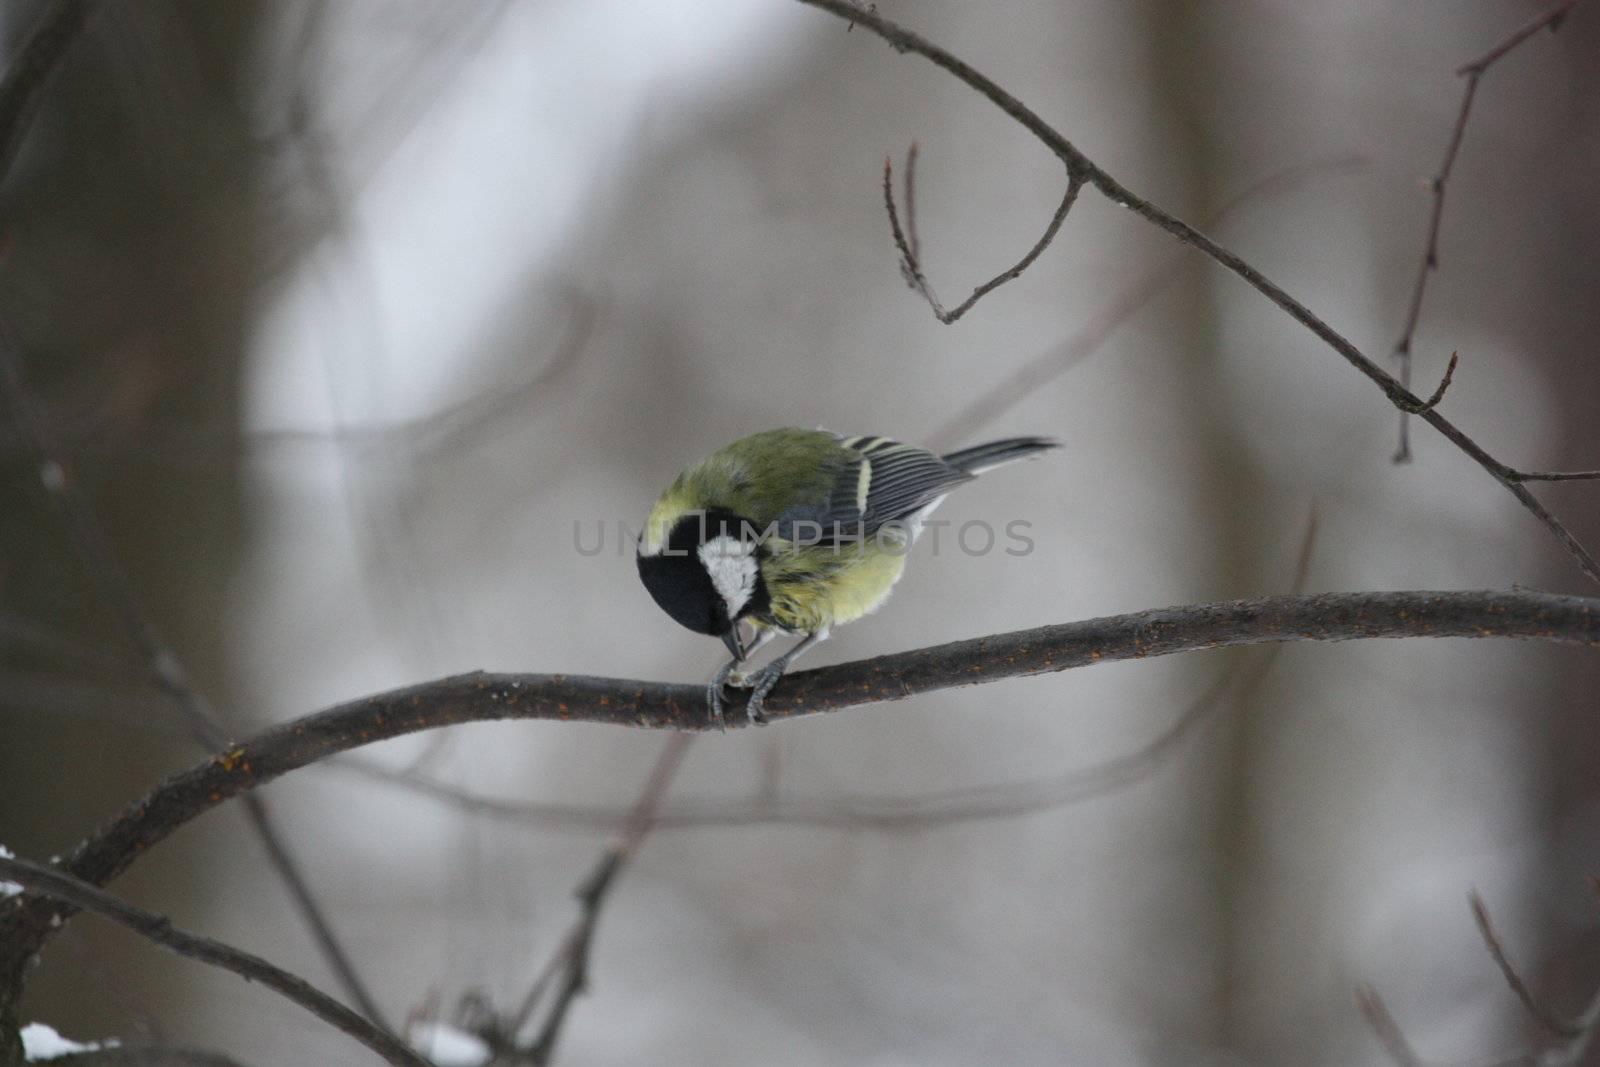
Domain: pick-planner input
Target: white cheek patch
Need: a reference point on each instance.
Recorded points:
(732, 566)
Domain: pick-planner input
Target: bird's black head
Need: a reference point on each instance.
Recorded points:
(707, 573)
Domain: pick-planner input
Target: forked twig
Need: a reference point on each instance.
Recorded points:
(910, 247)
(1572, 1040)
(571, 960)
(1491, 940)
(1438, 394)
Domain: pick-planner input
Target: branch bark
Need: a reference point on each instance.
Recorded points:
(484, 697)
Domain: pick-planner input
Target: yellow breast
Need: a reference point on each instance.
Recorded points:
(816, 588)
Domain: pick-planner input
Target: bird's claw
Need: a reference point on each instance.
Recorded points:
(714, 702)
(736, 673)
(714, 692)
(761, 683)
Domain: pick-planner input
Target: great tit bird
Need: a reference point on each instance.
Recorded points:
(795, 532)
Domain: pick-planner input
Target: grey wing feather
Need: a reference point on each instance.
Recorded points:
(904, 480)
(890, 482)
(901, 480)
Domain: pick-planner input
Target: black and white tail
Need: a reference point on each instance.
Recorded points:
(979, 458)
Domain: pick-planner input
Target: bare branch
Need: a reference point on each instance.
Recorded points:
(63, 887)
(910, 193)
(480, 697)
(1087, 339)
(867, 813)
(571, 960)
(163, 665)
(1473, 72)
(911, 265)
(1491, 940)
(1079, 165)
(1573, 1039)
(1555, 476)
(1551, 19)
(1388, 1032)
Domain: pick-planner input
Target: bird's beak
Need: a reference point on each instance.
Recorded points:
(731, 639)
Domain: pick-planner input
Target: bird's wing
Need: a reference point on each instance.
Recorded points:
(901, 480)
(878, 481)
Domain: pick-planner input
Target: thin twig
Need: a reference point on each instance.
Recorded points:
(53, 883)
(1550, 19)
(1438, 394)
(164, 667)
(1388, 1032)
(479, 697)
(1555, 476)
(911, 264)
(571, 960)
(1474, 73)
(909, 186)
(1573, 1039)
(1491, 940)
(1095, 332)
(1078, 164)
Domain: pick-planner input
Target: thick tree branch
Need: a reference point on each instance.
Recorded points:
(1081, 168)
(483, 697)
(62, 887)
(849, 813)
(884, 814)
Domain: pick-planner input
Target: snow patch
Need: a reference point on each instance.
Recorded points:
(449, 1046)
(40, 1042)
(8, 889)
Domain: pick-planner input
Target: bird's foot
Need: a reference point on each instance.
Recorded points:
(761, 683)
(714, 701)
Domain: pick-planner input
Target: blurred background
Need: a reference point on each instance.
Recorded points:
(348, 315)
